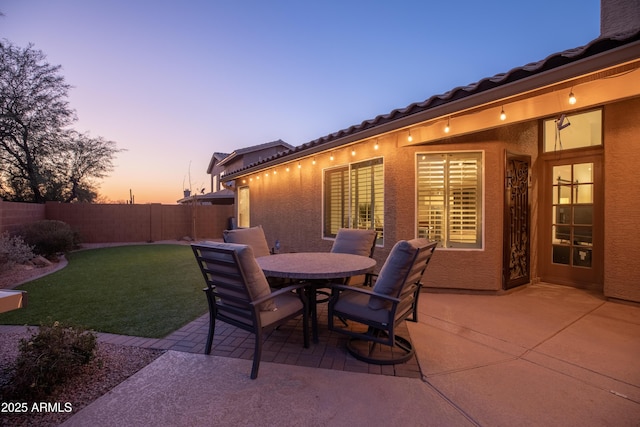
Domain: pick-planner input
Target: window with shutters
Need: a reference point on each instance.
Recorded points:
(449, 198)
(354, 198)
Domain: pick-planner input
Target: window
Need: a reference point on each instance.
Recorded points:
(243, 207)
(573, 131)
(354, 198)
(449, 198)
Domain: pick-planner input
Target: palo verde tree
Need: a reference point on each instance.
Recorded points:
(41, 157)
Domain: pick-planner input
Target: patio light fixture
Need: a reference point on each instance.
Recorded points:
(331, 156)
(503, 115)
(572, 97)
(409, 138)
(447, 128)
(353, 151)
(376, 145)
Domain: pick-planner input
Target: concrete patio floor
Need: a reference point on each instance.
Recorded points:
(542, 355)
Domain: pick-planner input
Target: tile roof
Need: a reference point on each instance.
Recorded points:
(251, 149)
(551, 62)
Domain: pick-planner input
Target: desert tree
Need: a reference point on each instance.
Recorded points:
(41, 157)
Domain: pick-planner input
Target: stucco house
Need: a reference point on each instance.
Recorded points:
(526, 176)
(220, 163)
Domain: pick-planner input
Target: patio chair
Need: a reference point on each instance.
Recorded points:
(238, 294)
(394, 298)
(350, 241)
(356, 242)
(253, 236)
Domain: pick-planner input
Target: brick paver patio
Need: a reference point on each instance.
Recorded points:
(283, 345)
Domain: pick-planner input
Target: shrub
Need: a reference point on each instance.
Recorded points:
(13, 250)
(49, 237)
(48, 359)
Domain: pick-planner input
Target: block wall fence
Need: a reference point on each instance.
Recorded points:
(123, 223)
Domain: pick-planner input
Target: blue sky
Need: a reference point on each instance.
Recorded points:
(174, 81)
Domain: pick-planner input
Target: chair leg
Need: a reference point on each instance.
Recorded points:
(212, 324)
(257, 354)
(212, 328)
(415, 305)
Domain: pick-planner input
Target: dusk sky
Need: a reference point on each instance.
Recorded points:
(172, 82)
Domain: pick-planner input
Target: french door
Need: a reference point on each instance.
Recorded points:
(572, 229)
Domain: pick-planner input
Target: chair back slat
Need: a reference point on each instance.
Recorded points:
(225, 282)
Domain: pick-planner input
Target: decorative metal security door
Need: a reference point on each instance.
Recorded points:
(516, 253)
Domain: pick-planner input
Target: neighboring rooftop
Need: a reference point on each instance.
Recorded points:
(253, 148)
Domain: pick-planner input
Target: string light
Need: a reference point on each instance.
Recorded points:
(503, 115)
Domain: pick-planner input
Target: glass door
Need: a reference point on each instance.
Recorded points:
(572, 237)
(244, 220)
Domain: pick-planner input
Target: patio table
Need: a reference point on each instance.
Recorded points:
(315, 268)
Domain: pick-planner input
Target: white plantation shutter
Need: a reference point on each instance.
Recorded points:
(354, 198)
(367, 196)
(449, 192)
(336, 199)
(431, 196)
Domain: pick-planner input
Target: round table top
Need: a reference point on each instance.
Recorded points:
(315, 265)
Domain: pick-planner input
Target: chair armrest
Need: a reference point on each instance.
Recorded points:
(278, 292)
(366, 291)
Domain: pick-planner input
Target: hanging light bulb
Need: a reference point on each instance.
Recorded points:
(287, 168)
(275, 172)
(447, 128)
(409, 138)
(331, 156)
(299, 165)
(376, 146)
(313, 162)
(572, 97)
(503, 115)
(353, 151)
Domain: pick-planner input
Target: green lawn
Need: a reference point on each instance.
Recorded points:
(141, 290)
